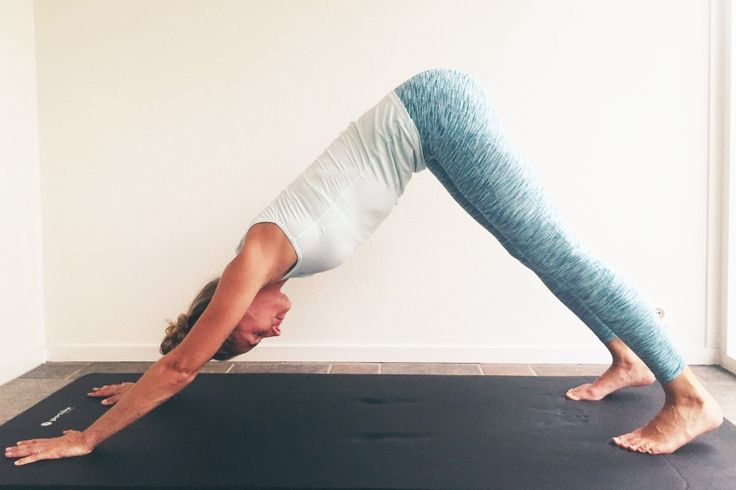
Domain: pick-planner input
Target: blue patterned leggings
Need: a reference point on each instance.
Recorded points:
(466, 148)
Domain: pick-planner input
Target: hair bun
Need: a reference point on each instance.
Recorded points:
(178, 330)
(175, 333)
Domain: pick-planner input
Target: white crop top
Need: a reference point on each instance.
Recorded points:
(337, 202)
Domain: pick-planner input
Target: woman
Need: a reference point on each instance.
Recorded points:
(443, 120)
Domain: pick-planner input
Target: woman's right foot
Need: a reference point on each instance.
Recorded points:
(619, 375)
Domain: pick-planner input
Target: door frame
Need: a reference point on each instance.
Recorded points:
(721, 216)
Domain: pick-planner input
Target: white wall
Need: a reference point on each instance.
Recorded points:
(165, 126)
(21, 291)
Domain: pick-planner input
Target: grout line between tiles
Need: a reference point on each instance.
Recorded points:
(533, 371)
(480, 369)
(75, 372)
(329, 368)
(228, 369)
(379, 368)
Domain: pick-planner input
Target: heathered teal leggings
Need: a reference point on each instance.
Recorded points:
(466, 148)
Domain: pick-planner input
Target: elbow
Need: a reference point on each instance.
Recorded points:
(182, 378)
(176, 374)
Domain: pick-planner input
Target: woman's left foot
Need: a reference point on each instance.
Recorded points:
(619, 375)
(680, 421)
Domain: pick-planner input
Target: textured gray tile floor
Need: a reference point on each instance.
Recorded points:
(35, 385)
(281, 367)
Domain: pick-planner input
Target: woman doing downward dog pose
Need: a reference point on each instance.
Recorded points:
(443, 120)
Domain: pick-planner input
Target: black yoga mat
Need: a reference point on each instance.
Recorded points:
(368, 431)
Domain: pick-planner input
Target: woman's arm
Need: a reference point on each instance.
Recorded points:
(241, 280)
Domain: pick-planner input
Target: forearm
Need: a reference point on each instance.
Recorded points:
(241, 280)
(157, 385)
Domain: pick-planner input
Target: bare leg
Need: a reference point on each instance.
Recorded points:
(626, 370)
(688, 411)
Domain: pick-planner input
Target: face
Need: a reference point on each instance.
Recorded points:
(263, 318)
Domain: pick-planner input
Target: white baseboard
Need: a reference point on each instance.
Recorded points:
(377, 353)
(22, 364)
(727, 363)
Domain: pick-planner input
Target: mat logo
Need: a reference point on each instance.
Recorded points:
(56, 417)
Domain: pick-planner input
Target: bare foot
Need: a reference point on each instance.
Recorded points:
(680, 421)
(619, 375)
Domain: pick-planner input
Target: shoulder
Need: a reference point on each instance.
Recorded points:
(267, 244)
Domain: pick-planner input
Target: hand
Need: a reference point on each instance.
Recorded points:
(72, 443)
(113, 392)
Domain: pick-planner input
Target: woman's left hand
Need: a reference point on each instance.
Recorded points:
(72, 443)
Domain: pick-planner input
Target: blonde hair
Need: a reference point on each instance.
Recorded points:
(176, 331)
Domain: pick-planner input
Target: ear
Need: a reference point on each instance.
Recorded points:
(274, 331)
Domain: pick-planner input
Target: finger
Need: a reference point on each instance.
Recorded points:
(14, 452)
(95, 390)
(108, 387)
(29, 441)
(31, 459)
(102, 391)
(111, 401)
(25, 450)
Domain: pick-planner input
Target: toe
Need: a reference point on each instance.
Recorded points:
(572, 394)
(620, 441)
(629, 441)
(660, 448)
(635, 441)
(623, 445)
(632, 436)
(582, 392)
(624, 438)
(642, 447)
(629, 444)
(639, 444)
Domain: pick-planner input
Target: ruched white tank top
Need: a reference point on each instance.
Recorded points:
(339, 200)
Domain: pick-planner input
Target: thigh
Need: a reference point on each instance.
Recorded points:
(473, 211)
(464, 140)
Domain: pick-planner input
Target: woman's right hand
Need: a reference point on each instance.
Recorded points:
(111, 393)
